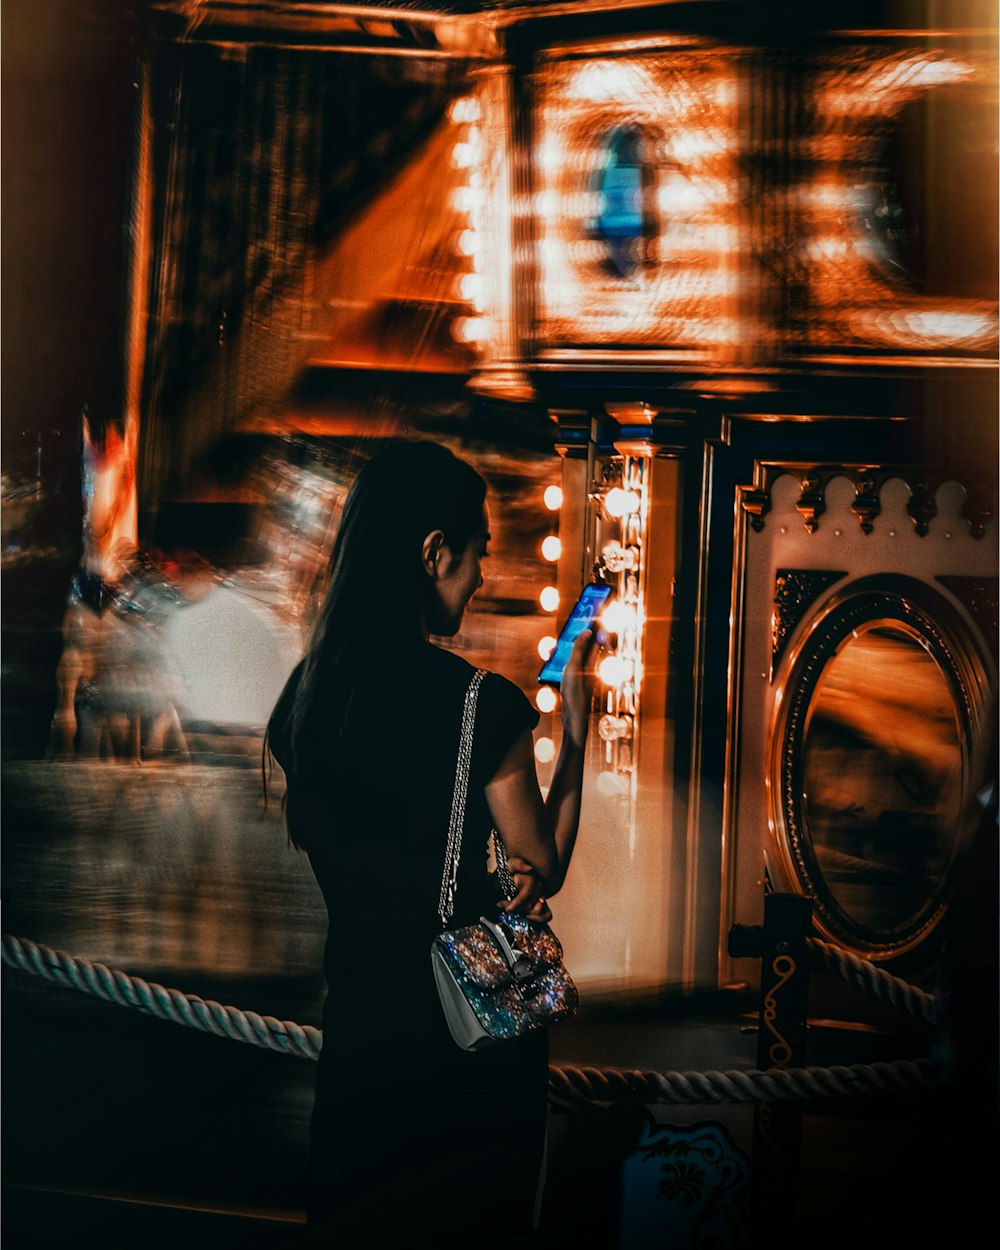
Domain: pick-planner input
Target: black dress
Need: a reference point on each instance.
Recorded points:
(409, 1133)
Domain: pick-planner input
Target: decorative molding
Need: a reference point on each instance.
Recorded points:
(795, 590)
(868, 481)
(866, 506)
(978, 508)
(811, 504)
(921, 506)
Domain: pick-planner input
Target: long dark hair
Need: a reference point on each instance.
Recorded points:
(377, 596)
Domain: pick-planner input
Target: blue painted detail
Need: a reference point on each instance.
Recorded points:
(684, 1187)
(622, 220)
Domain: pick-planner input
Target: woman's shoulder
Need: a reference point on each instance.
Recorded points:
(457, 670)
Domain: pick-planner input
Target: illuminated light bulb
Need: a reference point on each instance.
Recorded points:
(467, 199)
(618, 617)
(468, 242)
(546, 646)
(551, 548)
(546, 699)
(464, 109)
(553, 498)
(463, 155)
(618, 502)
(545, 750)
(550, 155)
(547, 203)
(549, 598)
(470, 287)
(470, 329)
(613, 670)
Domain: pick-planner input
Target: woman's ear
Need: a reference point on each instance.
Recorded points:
(431, 552)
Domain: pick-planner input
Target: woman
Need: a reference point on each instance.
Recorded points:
(409, 1133)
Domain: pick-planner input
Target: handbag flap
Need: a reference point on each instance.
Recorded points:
(477, 955)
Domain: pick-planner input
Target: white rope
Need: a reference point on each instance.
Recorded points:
(753, 1086)
(867, 976)
(565, 1082)
(153, 1000)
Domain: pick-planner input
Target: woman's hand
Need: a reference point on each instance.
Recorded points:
(528, 900)
(577, 689)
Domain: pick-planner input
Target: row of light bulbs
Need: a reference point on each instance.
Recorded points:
(546, 698)
(620, 618)
(469, 199)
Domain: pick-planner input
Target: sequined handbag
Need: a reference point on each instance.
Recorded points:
(497, 979)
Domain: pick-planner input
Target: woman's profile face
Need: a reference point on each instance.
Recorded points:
(459, 578)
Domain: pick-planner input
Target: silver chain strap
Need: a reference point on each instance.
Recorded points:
(449, 879)
(503, 872)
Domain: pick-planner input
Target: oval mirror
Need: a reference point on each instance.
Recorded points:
(871, 757)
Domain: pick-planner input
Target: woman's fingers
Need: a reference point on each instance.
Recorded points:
(541, 913)
(577, 688)
(527, 891)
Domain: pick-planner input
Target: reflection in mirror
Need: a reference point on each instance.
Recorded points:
(882, 777)
(621, 185)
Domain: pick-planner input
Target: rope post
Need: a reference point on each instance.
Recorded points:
(781, 1043)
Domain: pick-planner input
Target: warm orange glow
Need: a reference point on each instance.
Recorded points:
(858, 293)
(553, 498)
(683, 285)
(551, 548)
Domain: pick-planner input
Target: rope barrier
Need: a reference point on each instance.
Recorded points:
(565, 1082)
(153, 1000)
(867, 976)
(753, 1086)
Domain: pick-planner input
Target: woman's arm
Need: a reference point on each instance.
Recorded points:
(544, 833)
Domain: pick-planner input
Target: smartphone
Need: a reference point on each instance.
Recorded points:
(583, 616)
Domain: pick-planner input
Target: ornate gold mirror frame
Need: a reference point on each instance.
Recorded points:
(877, 710)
